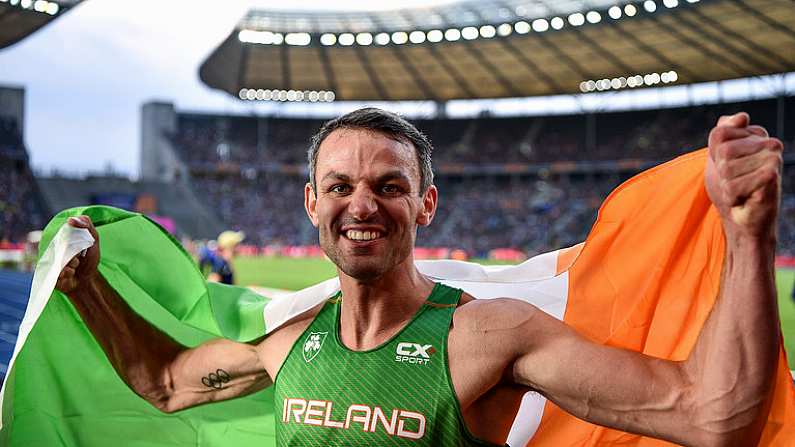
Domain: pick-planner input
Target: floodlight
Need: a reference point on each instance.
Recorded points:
(615, 83)
(583, 86)
(417, 37)
(469, 33)
(313, 96)
(505, 29)
(614, 12)
(631, 82)
(649, 6)
(330, 96)
(399, 37)
(540, 25)
(593, 17)
(277, 39)
(435, 36)
(674, 76)
(300, 39)
(591, 85)
(291, 95)
(251, 94)
(577, 19)
(346, 39)
(557, 23)
(267, 95)
(364, 39)
(452, 34)
(382, 38)
(630, 10)
(40, 5)
(27, 4)
(665, 77)
(521, 27)
(622, 82)
(671, 3)
(282, 95)
(243, 93)
(488, 31)
(53, 8)
(328, 39)
(14, 2)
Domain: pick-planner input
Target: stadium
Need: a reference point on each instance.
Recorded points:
(536, 110)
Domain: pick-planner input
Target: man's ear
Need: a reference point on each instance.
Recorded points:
(428, 210)
(310, 203)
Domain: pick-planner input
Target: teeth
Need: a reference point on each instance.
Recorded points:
(356, 235)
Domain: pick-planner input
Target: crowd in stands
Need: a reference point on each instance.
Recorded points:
(533, 212)
(20, 210)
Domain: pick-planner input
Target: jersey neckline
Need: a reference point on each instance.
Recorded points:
(338, 313)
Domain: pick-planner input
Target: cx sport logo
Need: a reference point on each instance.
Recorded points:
(413, 353)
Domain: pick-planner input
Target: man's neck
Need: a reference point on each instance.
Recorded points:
(374, 311)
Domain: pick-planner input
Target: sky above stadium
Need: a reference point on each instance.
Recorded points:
(87, 74)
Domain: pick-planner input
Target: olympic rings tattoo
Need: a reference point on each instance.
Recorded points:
(216, 379)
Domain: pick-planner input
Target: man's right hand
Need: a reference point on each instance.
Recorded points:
(81, 269)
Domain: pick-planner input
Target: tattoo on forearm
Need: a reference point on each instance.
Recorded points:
(216, 379)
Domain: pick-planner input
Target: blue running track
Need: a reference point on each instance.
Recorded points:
(14, 292)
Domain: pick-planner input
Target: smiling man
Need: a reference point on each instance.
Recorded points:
(397, 359)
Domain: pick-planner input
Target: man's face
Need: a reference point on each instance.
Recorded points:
(367, 205)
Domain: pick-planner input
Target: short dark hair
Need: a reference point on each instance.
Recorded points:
(384, 122)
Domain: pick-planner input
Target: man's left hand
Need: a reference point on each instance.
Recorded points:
(743, 176)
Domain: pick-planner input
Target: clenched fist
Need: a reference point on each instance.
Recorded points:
(743, 176)
(82, 268)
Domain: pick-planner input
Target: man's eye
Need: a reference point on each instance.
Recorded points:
(340, 189)
(390, 189)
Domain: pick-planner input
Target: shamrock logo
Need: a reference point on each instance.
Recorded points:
(313, 344)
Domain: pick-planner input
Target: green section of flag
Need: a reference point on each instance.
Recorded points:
(63, 391)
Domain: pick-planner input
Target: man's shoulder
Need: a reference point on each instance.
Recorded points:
(478, 315)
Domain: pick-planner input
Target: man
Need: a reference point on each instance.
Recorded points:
(397, 359)
(220, 262)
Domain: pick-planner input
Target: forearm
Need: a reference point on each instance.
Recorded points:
(731, 369)
(139, 352)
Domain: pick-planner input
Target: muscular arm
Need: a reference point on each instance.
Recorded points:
(157, 368)
(720, 394)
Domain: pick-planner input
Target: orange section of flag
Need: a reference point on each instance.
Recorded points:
(646, 280)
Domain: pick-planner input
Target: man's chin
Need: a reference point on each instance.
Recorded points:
(364, 272)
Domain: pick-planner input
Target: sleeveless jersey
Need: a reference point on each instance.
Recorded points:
(399, 393)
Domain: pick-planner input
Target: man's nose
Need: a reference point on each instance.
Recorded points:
(362, 205)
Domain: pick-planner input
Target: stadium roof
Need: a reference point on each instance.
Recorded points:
(20, 18)
(501, 48)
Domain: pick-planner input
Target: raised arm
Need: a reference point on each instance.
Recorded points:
(720, 394)
(157, 368)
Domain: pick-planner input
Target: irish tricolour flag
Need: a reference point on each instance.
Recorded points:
(645, 279)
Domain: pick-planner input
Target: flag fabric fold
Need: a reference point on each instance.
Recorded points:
(645, 279)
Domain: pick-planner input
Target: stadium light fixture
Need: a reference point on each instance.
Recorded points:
(593, 17)
(557, 23)
(40, 5)
(488, 31)
(576, 19)
(505, 29)
(614, 12)
(298, 39)
(53, 8)
(346, 39)
(632, 81)
(364, 39)
(452, 34)
(27, 4)
(435, 36)
(328, 39)
(382, 38)
(14, 2)
(400, 37)
(521, 27)
(671, 3)
(630, 10)
(540, 25)
(417, 37)
(469, 33)
(649, 6)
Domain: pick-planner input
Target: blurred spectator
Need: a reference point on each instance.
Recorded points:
(221, 262)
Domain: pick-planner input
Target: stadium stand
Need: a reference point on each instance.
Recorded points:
(15, 287)
(20, 205)
(531, 183)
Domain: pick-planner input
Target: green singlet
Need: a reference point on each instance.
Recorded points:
(399, 393)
